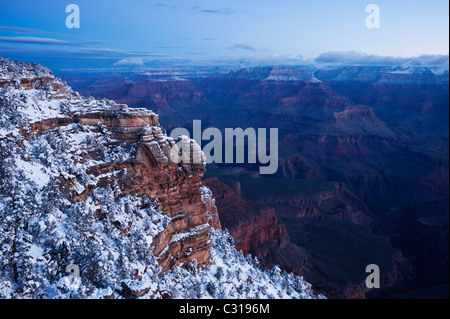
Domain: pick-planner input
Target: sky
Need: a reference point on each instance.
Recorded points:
(136, 33)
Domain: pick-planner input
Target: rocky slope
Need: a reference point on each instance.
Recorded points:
(287, 225)
(384, 165)
(414, 97)
(254, 227)
(89, 185)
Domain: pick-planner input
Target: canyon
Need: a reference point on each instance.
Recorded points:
(88, 184)
(357, 145)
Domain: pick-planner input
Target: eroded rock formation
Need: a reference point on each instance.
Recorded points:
(254, 227)
(146, 168)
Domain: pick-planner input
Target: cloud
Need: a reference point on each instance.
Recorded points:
(88, 43)
(170, 47)
(252, 61)
(353, 57)
(32, 40)
(357, 58)
(195, 53)
(73, 52)
(49, 41)
(63, 57)
(215, 11)
(121, 53)
(20, 30)
(130, 62)
(163, 5)
(244, 47)
(221, 11)
(149, 60)
(432, 60)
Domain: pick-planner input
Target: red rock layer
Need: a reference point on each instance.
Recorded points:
(255, 228)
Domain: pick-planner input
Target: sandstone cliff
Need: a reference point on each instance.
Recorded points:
(254, 227)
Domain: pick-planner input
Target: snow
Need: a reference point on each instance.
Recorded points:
(36, 252)
(37, 110)
(291, 74)
(37, 173)
(231, 275)
(205, 192)
(3, 132)
(194, 231)
(292, 78)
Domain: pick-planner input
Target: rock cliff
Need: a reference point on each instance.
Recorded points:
(146, 169)
(254, 227)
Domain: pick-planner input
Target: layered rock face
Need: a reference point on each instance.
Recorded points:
(147, 169)
(416, 98)
(377, 161)
(317, 94)
(176, 186)
(336, 203)
(27, 75)
(255, 227)
(145, 91)
(317, 229)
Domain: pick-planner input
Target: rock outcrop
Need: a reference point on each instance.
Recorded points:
(336, 203)
(147, 170)
(254, 227)
(176, 186)
(145, 91)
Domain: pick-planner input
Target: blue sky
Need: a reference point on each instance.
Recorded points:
(174, 32)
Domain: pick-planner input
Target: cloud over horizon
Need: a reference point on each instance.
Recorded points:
(130, 62)
(20, 30)
(358, 58)
(244, 47)
(219, 11)
(50, 41)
